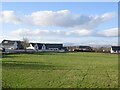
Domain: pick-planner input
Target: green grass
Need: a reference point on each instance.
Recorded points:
(60, 70)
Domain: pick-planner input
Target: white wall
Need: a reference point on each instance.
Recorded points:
(15, 45)
(30, 47)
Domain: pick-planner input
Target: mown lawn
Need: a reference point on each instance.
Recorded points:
(60, 70)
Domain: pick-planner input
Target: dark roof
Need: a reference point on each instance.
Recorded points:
(10, 43)
(60, 46)
(84, 47)
(115, 47)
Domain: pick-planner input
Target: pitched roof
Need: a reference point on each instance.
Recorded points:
(7, 42)
(54, 46)
(10, 43)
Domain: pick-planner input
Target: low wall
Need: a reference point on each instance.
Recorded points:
(31, 51)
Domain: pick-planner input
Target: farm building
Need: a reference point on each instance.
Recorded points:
(72, 48)
(12, 44)
(85, 48)
(45, 46)
(115, 49)
(79, 48)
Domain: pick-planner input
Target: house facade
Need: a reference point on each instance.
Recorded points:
(115, 49)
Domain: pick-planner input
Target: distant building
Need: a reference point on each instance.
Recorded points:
(85, 48)
(79, 48)
(71, 48)
(45, 46)
(11, 44)
(115, 49)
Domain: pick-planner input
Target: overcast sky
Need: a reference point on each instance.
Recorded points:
(80, 23)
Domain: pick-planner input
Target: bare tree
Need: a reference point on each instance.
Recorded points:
(25, 43)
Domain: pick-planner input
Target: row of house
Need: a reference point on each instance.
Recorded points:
(17, 45)
(45, 46)
(9, 45)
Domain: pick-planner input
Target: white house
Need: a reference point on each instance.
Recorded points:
(115, 49)
(31, 46)
(45, 46)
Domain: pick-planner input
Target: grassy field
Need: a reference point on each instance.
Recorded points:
(60, 70)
